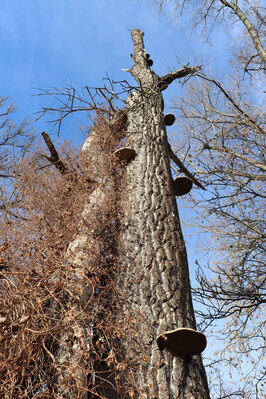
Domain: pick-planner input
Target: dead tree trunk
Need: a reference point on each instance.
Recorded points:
(155, 278)
(143, 281)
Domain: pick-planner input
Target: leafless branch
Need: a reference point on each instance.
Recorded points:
(166, 80)
(54, 158)
(182, 167)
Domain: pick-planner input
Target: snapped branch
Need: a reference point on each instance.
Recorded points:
(54, 158)
(166, 80)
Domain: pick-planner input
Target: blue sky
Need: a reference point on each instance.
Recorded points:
(55, 43)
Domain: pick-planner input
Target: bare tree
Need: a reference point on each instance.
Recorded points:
(223, 121)
(15, 140)
(153, 254)
(96, 297)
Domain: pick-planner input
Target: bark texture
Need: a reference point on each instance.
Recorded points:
(153, 255)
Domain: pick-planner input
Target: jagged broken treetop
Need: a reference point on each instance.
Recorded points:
(141, 68)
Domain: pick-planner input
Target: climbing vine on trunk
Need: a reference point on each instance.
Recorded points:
(95, 286)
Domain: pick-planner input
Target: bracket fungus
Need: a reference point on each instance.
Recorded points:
(125, 154)
(169, 119)
(182, 185)
(149, 60)
(182, 342)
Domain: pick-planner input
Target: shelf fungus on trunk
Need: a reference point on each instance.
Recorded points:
(182, 185)
(169, 119)
(125, 154)
(149, 60)
(182, 342)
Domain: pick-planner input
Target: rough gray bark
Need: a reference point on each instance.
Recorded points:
(153, 255)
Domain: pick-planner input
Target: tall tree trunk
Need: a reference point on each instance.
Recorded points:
(155, 278)
(80, 353)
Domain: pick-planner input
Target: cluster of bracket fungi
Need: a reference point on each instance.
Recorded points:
(182, 342)
(182, 185)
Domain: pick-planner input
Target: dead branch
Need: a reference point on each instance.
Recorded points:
(54, 158)
(250, 28)
(166, 80)
(251, 121)
(182, 167)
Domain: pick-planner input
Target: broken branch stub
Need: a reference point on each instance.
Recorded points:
(182, 342)
(166, 80)
(54, 158)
